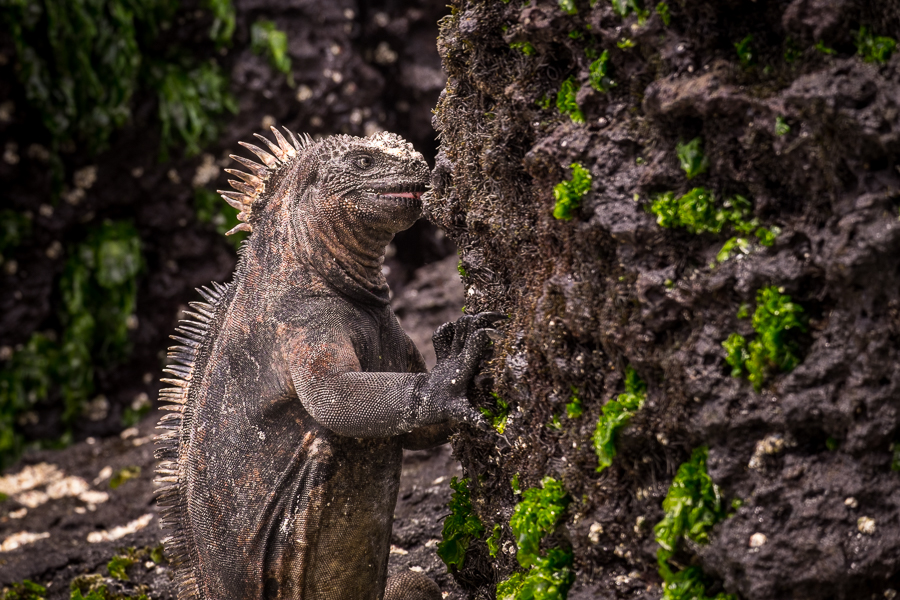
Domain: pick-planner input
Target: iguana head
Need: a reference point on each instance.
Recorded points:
(377, 181)
(338, 200)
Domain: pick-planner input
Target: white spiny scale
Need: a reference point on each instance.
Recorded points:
(235, 199)
(203, 308)
(240, 227)
(264, 156)
(242, 187)
(188, 342)
(283, 144)
(257, 169)
(274, 148)
(198, 316)
(253, 180)
(297, 145)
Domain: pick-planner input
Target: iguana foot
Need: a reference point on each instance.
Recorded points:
(410, 585)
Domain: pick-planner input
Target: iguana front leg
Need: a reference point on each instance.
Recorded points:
(330, 383)
(448, 340)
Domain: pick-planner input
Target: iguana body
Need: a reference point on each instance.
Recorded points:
(296, 389)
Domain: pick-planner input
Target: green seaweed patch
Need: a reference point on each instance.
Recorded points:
(695, 211)
(775, 320)
(599, 73)
(461, 526)
(568, 7)
(565, 100)
(514, 484)
(549, 573)
(744, 51)
(692, 506)
(118, 566)
(15, 227)
(698, 212)
(895, 456)
(691, 157)
(189, 101)
(662, 9)
(94, 587)
(80, 62)
(493, 541)
(524, 47)
(781, 126)
(222, 28)
(615, 416)
(98, 289)
(873, 48)
(625, 43)
(822, 48)
(24, 590)
(625, 7)
(732, 247)
(574, 408)
(792, 52)
(123, 475)
(461, 270)
(568, 194)
(267, 39)
(498, 417)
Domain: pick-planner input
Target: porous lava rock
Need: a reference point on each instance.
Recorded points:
(809, 454)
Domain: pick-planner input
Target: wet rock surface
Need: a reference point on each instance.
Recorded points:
(611, 288)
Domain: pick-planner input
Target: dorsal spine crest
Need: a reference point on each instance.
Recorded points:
(282, 157)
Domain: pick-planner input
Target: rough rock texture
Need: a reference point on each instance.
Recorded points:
(612, 288)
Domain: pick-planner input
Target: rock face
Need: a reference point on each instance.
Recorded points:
(791, 117)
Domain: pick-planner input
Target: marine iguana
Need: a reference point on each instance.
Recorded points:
(295, 389)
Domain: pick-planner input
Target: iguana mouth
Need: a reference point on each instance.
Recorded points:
(411, 193)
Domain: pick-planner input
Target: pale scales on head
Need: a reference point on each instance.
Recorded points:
(281, 156)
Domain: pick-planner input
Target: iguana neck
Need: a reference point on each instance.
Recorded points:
(348, 255)
(322, 256)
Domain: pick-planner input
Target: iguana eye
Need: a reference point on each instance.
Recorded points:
(363, 162)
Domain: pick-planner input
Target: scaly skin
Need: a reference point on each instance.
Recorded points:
(296, 389)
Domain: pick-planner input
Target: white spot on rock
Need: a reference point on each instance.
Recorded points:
(866, 525)
(757, 540)
(119, 532)
(594, 532)
(21, 538)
